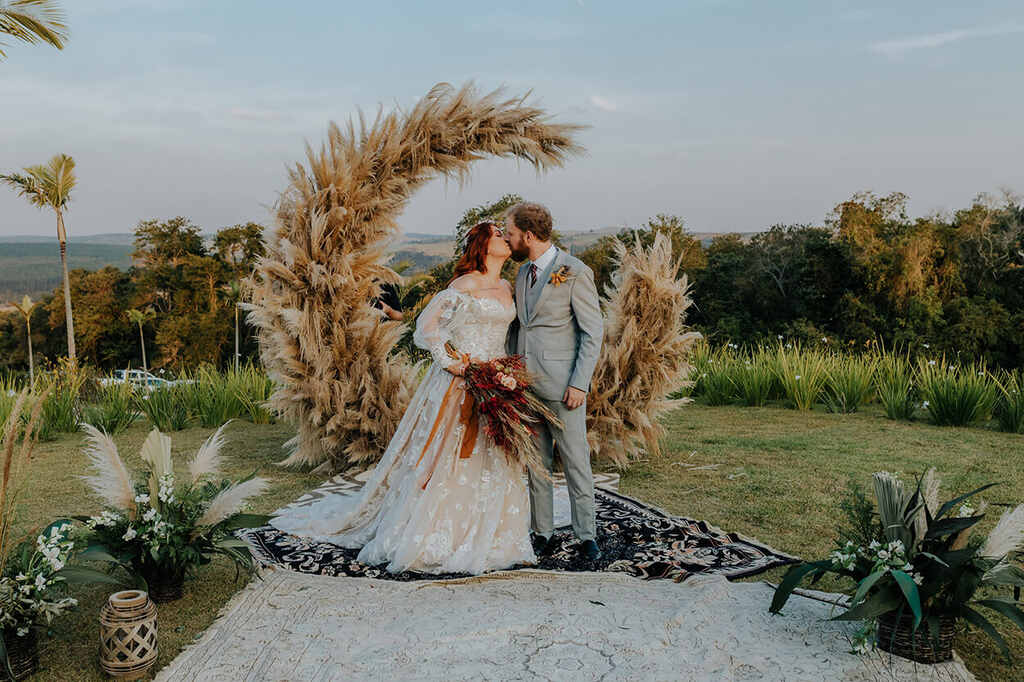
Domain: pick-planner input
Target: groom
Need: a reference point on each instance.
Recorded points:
(559, 333)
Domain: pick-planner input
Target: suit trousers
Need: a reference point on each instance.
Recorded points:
(574, 452)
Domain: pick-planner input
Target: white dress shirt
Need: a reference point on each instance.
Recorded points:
(544, 260)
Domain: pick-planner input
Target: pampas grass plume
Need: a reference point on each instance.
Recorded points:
(230, 500)
(207, 459)
(1007, 536)
(111, 482)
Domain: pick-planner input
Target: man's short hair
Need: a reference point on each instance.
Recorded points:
(530, 217)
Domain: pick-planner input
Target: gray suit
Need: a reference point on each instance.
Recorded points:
(558, 331)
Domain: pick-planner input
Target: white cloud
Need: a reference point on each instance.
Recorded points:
(603, 103)
(932, 40)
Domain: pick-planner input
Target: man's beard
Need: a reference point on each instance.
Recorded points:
(519, 254)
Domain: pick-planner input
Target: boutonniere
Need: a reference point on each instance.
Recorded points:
(560, 276)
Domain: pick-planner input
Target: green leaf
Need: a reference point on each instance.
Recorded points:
(909, 588)
(1006, 573)
(1006, 608)
(945, 527)
(934, 558)
(793, 578)
(979, 621)
(866, 584)
(97, 553)
(81, 574)
(944, 509)
(883, 601)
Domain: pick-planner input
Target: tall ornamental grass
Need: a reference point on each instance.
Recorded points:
(894, 384)
(753, 379)
(254, 389)
(168, 408)
(213, 396)
(9, 389)
(60, 410)
(717, 385)
(115, 409)
(849, 382)
(802, 374)
(1009, 408)
(956, 395)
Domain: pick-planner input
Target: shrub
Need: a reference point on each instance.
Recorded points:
(849, 382)
(753, 379)
(894, 383)
(802, 375)
(116, 410)
(956, 396)
(1009, 408)
(167, 407)
(60, 411)
(254, 388)
(718, 385)
(214, 397)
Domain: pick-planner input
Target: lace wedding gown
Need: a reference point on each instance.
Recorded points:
(431, 505)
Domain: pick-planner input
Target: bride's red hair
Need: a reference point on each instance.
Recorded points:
(474, 257)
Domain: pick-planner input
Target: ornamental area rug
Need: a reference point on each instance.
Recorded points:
(635, 538)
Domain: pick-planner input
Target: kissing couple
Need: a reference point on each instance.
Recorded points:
(433, 506)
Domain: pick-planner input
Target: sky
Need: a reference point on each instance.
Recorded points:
(733, 115)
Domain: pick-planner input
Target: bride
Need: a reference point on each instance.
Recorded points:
(430, 505)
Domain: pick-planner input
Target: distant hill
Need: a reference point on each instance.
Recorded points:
(29, 264)
(33, 268)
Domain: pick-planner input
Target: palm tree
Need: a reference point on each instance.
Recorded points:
(51, 185)
(232, 292)
(25, 308)
(141, 317)
(33, 21)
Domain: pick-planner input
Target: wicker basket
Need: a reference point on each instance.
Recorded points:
(22, 652)
(128, 643)
(897, 636)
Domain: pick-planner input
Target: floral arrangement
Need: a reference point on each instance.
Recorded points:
(915, 558)
(35, 592)
(160, 529)
(500, 390)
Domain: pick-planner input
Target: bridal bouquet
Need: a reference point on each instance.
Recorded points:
(500, 390)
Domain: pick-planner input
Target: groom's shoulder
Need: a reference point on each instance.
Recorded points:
(576, 265)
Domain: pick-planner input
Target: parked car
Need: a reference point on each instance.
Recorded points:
(139, 378)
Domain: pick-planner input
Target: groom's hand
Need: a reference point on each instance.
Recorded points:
(573, 397)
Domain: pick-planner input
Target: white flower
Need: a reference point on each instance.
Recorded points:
(40, 581)
(917, 577)
(780, 337)
(907, 568)
(798, 377)
(965, 510)
(926, 345)
(25, 589)
(883, 554)
(931, 363)
(20, 577)
(142, 499)
(149, 515)
(129, 534)
(925, 404)
(22, 632)
(874, 545)
(824, 339)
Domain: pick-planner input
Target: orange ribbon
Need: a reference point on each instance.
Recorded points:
(468, 417)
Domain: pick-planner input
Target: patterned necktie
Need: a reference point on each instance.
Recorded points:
(533, 274)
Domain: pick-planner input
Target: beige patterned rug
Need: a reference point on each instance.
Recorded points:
(527, 625)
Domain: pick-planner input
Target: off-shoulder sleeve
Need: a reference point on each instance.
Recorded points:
(433, 326)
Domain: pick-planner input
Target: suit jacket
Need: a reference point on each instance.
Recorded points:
(558, 328)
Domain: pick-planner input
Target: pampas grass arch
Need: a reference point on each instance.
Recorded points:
(323, 345)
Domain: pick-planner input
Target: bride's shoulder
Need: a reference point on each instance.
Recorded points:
(464, 284)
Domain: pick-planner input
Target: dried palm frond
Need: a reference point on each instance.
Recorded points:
(112, 482)
(207, 459)
(230, 500)
(327, 350)
(644, 354)
(930, 485)
(1007, 536)
(897, 509)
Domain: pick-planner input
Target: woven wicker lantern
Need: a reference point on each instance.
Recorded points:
(128, 635)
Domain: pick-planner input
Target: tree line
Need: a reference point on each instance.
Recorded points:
(180, 297)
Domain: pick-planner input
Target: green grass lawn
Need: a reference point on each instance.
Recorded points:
(777, 475)
(772, 474)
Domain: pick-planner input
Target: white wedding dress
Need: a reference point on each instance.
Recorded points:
(427, 506)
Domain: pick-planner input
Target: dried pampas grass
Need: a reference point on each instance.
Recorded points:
(230, 500)
(322, 343)
(207, 459)
(644, 354)
(112, 482)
